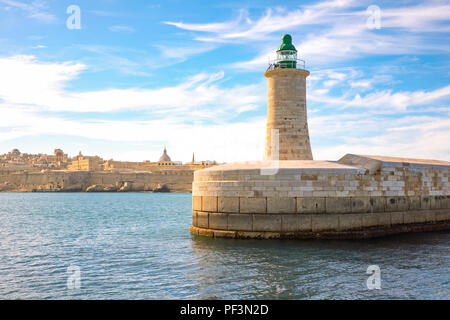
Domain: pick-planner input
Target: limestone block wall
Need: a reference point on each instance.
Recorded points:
(324, 179)
(176, 180)
(287, 114)
(401, 176)
(319, 198)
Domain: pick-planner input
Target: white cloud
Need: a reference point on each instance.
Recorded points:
(330, 83)
(399, 100)
(340, 31)
(199, 115)
(414, 137)
(121, 28)
(420, 137)
(45, 87)
(424, 17)
(181, 109)
(258, 63)
(127, 61)
(180, 53)
(212, 27)
(430, 17)
(223, 142)
(361, 84)
(35, 10)
(384, 101)
(279, 19)
(328, 47)
(104, 13)
(23, 74)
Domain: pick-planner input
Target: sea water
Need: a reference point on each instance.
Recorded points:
(138, 246)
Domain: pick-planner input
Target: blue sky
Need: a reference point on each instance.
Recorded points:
(141, 75)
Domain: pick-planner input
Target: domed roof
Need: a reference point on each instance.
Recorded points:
(286, 43)
(165, 156)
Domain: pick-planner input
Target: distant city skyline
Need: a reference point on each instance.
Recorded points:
(164, 154)
(138, 76)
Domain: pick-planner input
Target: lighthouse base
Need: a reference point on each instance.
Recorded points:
(355, 197)
(363, 233)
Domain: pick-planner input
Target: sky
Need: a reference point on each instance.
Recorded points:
(122, 79)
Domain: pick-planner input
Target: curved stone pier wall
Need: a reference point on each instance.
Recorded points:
(308, 199)
(299, 225)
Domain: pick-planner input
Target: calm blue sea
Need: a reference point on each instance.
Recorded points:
(138, 246)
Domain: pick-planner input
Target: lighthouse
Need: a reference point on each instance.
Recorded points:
(287, 136)
(358, 196)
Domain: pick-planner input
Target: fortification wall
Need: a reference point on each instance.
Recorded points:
(176, 180)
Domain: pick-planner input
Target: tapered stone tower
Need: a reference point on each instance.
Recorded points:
(287, 136)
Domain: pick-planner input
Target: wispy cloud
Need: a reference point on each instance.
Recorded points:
(182, 53)
(383, 100)
(415, 137)
(104, 13)
(236, 141)
(216, 27)
(274, 20)
(45, 84)
(37, 10)
(196, 115)
(340, 31)
(199, 114)
(127, 61)
(122, 28)
(431, 17)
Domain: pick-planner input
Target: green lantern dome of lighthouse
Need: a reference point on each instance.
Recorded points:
(287, 54)
(286, 43)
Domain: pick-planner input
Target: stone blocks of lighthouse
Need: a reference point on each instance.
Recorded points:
(287, 136)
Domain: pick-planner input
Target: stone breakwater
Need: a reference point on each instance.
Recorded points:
(101, 181)
(356, 197)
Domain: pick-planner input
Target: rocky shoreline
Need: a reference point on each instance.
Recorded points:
(93, 188)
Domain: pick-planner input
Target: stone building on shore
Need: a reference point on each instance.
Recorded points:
(82, 163)
(34, 162)
(58, 172)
